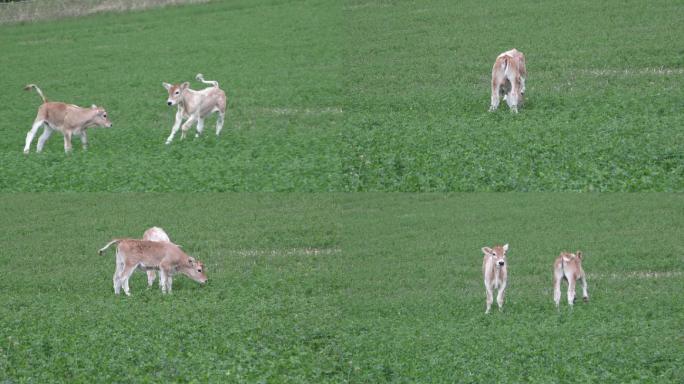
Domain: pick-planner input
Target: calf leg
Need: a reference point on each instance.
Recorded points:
(84, 140)
(495, 95)
(186, 126)
(490, 297)
(522, 83)
(31, 133)
(117, 281)
(47, 131)
(176, 126)
(512, 97)
(200, 126)
(127, 272)
(150, 278)
(557, 278)
(571, 290)
(67, 141)
(500, 295)
(585, 293)
(219, 122)
(162, 281)
(169, 282)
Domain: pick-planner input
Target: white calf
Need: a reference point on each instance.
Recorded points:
(495, 271)
(508, 79)
(195, 106)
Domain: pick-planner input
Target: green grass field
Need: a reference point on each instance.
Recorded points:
(342, 288)
(357, 96)
(319, 285)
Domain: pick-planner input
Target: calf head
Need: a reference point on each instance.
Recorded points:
(100, 119)
(175, 92)
(497, 254)
(194, 269)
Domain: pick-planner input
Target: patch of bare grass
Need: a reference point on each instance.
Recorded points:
(35, 10)
(287, 252)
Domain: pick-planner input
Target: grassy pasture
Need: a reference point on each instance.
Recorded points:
(357, 96)
(342, 288)
(604, 101)
(273, 58)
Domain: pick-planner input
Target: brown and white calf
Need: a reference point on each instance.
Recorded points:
(495, 271)
(67, 118)
(568, 266)
(508, 80)
(195, 106)
(167, 258)
(154, 234)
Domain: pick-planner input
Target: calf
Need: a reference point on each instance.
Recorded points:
(494, 269)
(508, 79)
(195, 106)
(154, 234)
(66, 118)
(168, 258)
(568, 266)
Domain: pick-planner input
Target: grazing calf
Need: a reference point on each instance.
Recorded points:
(168, 258)
(568, 266)
(66, 118)
(154, 234)
(508, 79)
(494, 269)
(195, 106)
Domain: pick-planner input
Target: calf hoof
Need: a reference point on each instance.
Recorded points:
(586, 299)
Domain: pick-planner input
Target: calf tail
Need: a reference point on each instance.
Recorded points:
(101, 251)
(200, 77)
(28, 88)
(504, 64)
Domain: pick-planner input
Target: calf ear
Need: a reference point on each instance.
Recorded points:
(579, 254)
(166, 85)
(93, 106)
(505, 247)
(487, 250)
(185, 85)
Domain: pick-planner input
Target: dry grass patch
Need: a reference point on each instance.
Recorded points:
(635, 275)
(287, 252)
(46, 10)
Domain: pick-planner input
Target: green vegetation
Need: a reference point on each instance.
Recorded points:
(276, 60)
(342, 288)
(358, 96)
(604, 100)
(364, 96)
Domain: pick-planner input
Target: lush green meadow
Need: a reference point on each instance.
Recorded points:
(342, 288)
(275, 59)
(357, 96)
(371, 96)
(604, 100)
